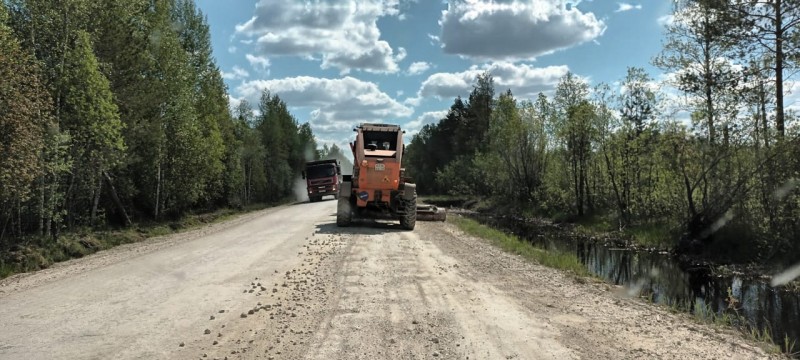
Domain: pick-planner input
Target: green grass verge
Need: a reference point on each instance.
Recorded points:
(512, 244)
(36, 253)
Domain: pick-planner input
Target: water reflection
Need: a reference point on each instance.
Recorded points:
(663, 280)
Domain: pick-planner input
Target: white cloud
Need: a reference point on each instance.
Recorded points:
(401, 54)
(344, 35)
(334, 106)
(233, 102)
(525, 81)
(622, 7)
(237, 73)
(430, 117)
(434, 39)
(792, 95)
(258, 61)
(418, 67)
(666, 20)
(413, 101)
(232, 49)
(515, 29)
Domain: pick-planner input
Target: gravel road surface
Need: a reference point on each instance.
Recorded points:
(286, 283)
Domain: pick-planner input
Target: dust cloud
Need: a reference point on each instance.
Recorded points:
(300, 190)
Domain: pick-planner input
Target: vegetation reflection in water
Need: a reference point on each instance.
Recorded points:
(660, 278)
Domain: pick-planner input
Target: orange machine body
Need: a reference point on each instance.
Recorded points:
(377, 173)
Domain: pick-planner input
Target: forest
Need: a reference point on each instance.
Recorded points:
(114, 113)
(705, 159)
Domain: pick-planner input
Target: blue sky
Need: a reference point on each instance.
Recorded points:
(338, 63)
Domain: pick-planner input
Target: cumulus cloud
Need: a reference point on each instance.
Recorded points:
(514, 29)
(344, 35)
(430, 117)
(235, 74)
(418, 67)
(525, 81)
(257, 61)
(334, 106)
(622, 7)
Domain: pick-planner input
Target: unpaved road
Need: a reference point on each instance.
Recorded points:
(286, 283)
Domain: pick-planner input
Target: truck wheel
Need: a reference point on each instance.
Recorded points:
(343, 212)
(409, 219)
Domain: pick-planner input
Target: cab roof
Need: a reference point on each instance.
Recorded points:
(379, 127)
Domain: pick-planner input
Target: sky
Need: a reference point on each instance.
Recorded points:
(340, 63)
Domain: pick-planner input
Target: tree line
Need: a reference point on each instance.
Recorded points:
(710, 160)
(113, 112)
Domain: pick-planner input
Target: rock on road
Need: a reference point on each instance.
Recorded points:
(286, 283)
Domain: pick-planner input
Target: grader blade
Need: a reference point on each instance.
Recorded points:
(431, 213)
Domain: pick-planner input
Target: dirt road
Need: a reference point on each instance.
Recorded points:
(286, 283)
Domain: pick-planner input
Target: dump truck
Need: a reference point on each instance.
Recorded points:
(322, 178)
(378, 188)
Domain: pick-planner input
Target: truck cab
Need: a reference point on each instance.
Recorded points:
(322, 178)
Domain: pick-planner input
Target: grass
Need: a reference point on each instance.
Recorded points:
(594, 225)
(653, 235)
(647, 235)
(705, 314)
(512, 244)
(36, 253)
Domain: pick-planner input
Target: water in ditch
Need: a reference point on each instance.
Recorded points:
(664, 280)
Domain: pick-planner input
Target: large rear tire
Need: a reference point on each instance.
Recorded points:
(409, 220)
(343, 212)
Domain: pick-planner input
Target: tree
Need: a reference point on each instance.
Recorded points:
(252, 156)
(472, 133)
(772, 26)
(92, 119)
(635, 168)
(306, 147)
(178, 172)
(518, 149)
(700, 42)
(335, 152)
(278, 129)
(25, 119)
(575, 128)
(210, 103)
